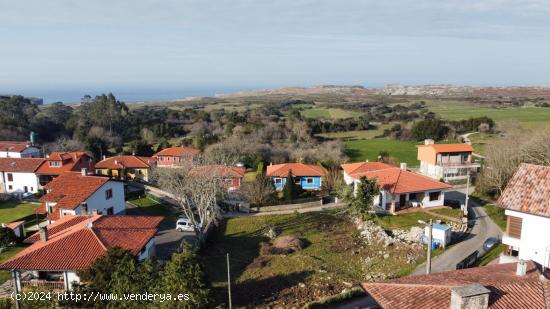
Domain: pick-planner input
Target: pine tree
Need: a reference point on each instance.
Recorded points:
(183, 274)
(362, 201)
(290, 190)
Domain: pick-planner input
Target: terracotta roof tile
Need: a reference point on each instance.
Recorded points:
(71, 188)
(443, 148)
(178, 152)
(218, 170)
(434, 291)
(72, 161)
(13, 225)
(119, 162)
(20, 165)
(58, 226)
(393, 179)
(74, 245)
(528, 190)
(298, 169)
(13, 146)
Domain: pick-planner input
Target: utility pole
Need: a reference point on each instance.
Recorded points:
(429, 259)
(467, 192)
(228, 281)
(15, 276)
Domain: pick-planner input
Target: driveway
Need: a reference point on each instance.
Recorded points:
(483, 228)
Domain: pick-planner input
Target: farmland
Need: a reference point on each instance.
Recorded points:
(368, 149)
(329, 113)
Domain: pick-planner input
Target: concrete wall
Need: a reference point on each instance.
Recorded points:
(535, 238)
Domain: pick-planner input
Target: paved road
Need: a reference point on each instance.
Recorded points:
(483, 228)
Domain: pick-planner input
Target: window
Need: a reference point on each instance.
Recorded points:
(309, 180)
(10, 177)
(434, 196)
(297, 180)
(108, 194)
(10, 187)
(412, 196)
(110, 211)
(55, 163)
(278, 180)
(514, 227)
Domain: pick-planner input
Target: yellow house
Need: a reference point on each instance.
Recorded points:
(126, 167)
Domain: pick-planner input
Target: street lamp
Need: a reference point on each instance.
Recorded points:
(429, 258)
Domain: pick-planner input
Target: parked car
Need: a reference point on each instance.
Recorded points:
(184, 224)
(490, 243)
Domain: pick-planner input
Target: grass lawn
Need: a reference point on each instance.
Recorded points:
(479, 140)
(5, 275)
(403, 221)
(250, 176)
(449, 212)
(153, 208)
(497, 214)
(361, 150)
(528, 117)
(15, 210)
(490, 256)
(332, 259)
(329, 113)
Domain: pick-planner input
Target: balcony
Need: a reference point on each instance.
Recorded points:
(46, 284)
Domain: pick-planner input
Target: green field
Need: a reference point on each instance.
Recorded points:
(528, 117)
(14, 210)
(329, 113)
(480, 140)
(361, 150)
(151, 207)
(5, 275)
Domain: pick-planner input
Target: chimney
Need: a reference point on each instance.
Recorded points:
(521, 268)
(84, 171)
(104, 157)
(428, 141)
(94, 212)
(473, 296)
(116, 162)
(403, 166)
(43, 233)
(84, 208)
(133, 153)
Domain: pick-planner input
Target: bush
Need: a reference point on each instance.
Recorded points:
(7, 237)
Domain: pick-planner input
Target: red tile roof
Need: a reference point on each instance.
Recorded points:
(178, 152)
(72, 161)
(74, 244)
(120, 162)
(218, 170)
(13, 146)
(393, 179)
(434, 291)
(298, 169)
(13, 225)
(20, 165)
(71, 188)
(528, 190)
(443, 148)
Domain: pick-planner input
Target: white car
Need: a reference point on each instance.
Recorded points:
(184, 224)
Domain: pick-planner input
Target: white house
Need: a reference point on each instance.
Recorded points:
(17, 175)
(446, 161)
(58, 251)
(526, 201)
(74, 193)
(14, 149)
(400, 188)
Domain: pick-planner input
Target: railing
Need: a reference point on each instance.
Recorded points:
(459, 164)
(50, 285)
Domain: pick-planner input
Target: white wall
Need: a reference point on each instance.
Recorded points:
(535, 238)
(149, 250)
(70, 277)
(20, 180)
(98, 202)
(431, 170)
(30, 152)
(426, 200)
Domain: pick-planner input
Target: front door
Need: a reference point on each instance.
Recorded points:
(402, 200)
(26, 189)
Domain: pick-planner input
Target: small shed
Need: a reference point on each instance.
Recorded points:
(441, 234)
(18, 228)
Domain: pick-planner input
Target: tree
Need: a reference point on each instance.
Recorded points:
(332, 181)
(7, 237)
(429, 128)
(140, 148)
(291, 191)
(183, 274)
(260, 191)
(198, 195)
(361, 201)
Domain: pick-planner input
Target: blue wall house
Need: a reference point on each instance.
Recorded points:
(308, 176)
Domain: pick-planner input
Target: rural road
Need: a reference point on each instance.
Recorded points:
(483, 228)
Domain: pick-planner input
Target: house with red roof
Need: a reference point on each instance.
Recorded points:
(58, 251)
(126, 167)
(175, 156)
(526, 204)
(18, 149)
(307, 176)
(446, 161)
(18, 175)
(58, 163)
(73, 193)
(399, 188)
(514, 285)
(231, 175)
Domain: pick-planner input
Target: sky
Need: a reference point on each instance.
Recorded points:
(174, 47)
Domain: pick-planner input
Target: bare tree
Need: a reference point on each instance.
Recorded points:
(197, 194)
(258, 192)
